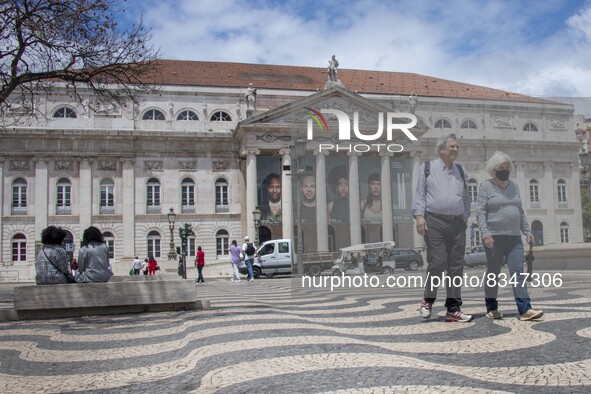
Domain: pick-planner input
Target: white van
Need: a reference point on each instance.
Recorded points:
(274, 257)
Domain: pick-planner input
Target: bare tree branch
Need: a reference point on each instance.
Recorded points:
(73, 41)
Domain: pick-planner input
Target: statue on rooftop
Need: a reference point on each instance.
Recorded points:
(413, 100)
(251, 97)
(333, 74)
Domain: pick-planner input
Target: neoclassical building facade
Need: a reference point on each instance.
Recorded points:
(198, 146)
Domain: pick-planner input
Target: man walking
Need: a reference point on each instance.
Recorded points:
(441, 209)
(249, 251)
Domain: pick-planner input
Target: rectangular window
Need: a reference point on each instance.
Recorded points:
(107, 196)
(473, 192)
(63, 196)
(222, 245)
(192, 252)
(19, 196)
(154, 247)
(19, 251)
(562, 193)
(111, 244)
(153, 195)
(221, 195)
(534, 195)
(188, 195)
(564, 235)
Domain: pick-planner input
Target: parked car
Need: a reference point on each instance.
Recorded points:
(408, 259)
(273, 258)
(475, 256)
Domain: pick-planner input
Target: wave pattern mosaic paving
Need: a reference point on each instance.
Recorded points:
(271, 336)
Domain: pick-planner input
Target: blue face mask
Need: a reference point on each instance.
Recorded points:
(502, 175)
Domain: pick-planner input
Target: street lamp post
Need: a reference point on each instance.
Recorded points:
(171, 219)
(257, 223)
(300, 151)
(184, 233)
(584, 160)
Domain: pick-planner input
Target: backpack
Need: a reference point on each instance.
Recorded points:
(460, 169)
(250, 250)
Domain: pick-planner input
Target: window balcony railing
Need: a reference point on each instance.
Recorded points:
(153, 209)
(535, 204)
(63, 210)
(19, 210)
(222, 208)
(107, 210)
(188, 209)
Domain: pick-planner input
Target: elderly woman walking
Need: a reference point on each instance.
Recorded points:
(502, 220)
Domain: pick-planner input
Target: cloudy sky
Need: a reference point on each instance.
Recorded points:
(540, 48)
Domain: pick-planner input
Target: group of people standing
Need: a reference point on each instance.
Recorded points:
(246, 253)
(148, 266)
(441, 209)
(53, 267)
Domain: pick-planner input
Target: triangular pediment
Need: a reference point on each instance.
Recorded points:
(297, 112)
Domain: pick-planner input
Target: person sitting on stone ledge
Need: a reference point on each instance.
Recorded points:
(93, 258)
(52, 264)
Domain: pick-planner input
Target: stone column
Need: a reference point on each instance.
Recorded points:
(2, 159)
(549, 202)
(128, 208)
(41, 195)
(521, 183)
(286, 194)
(85, 194)
(251, 191)
(354, 199)
(321, 202)
(573, 198)
(386, 179)
(418, 240)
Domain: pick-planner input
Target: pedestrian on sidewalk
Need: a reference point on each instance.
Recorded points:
(152, 263)
(249, 251)
(200, 263)
(441, 209)
(137, 265)
(235, 252)
(502, 220)
(145, 266)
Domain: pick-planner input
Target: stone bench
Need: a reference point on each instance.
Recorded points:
(130, 296)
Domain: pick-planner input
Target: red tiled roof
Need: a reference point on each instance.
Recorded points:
(265, 76)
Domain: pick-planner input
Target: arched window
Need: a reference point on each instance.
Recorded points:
(19, 248)
(222, 243)
(187, 115)
(64, 195)
(221, 195)
(537, 229)
(220, 116)
(473, 189)
(153, 244)
(107, 196)
(469, 124)
(530, 126)
(153, 114)
(187, 195)
(153, 196)
(19, 197)
(534, 191)
(64, 112)
(561, 186)
(442, 124)
(564, 233)
(110, 241)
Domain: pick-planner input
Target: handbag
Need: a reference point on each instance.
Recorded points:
(132, 272)
(69, 276)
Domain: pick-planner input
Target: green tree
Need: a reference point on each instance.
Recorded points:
(76, 43)
(586, 209)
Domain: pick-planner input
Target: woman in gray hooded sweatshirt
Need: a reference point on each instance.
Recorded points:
(93, 258)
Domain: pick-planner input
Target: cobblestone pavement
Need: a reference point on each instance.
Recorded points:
(273, 336)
